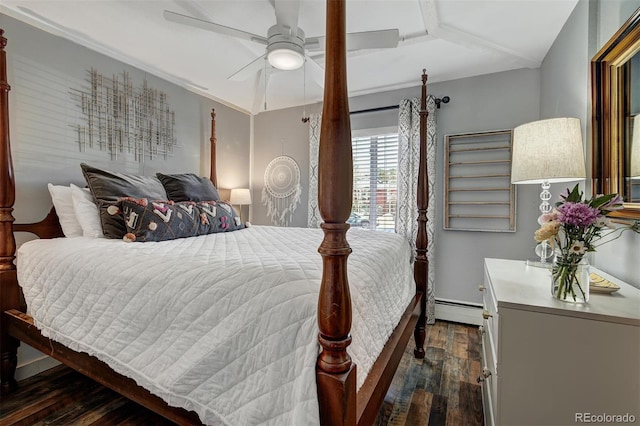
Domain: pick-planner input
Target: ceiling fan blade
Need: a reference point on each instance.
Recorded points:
(287, 12)
(248, 70)
(378, 39)
(210, 26)
(194, 9)
(314, 44)
(314, 70)
(260, 93)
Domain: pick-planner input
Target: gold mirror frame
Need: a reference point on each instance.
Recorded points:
(609, 83)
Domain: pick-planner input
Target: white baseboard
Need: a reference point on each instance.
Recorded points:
(35, 366)
(457, 311)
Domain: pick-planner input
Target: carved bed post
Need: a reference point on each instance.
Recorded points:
(9, 290)
(336, 374)
(421, 264)
(213, 173)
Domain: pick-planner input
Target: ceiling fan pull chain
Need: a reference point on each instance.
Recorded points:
(265, 83)
(304, 91)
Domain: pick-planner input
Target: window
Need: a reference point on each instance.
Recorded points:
(375, 189)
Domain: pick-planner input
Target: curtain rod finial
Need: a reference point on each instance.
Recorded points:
(444, 100)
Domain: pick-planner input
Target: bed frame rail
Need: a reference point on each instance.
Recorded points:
(371, 394)
(21, 326)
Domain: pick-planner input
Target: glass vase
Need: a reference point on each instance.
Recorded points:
(570, 278)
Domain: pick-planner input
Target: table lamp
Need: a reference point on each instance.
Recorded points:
(545, 152)
(240, 197)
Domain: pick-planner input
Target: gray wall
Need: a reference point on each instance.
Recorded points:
(566, 92)
(41, 70)
(277, 133)
(489, 102)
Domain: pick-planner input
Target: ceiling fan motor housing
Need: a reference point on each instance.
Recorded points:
(285, 50)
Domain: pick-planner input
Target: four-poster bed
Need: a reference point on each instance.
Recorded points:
(338, 400)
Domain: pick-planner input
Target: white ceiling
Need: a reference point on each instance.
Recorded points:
(450, 38)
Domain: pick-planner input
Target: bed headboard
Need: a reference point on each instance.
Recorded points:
(9, 290)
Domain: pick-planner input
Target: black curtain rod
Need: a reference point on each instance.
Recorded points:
(375, 109)
(444, 100)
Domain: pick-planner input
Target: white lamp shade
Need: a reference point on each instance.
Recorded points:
(548, 150)
(240, 196)
(635, 149)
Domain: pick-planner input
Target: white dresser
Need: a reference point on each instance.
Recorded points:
(547, 362)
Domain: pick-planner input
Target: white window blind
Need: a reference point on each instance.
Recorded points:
(375, 188)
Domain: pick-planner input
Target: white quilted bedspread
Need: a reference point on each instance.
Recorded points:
(222, 324)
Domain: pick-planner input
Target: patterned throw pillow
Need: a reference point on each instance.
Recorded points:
(108, 187)
(167, 220)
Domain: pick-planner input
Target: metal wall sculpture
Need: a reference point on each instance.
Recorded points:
(122, 119)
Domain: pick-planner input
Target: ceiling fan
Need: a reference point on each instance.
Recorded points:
(286, 44)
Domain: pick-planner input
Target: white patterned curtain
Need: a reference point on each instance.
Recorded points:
(408, 159)
(313, 217)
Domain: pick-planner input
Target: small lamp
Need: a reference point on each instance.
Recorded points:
(240, 197)
(545, 152)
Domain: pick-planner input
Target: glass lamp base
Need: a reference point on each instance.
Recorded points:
(545, 256)
(539, 264)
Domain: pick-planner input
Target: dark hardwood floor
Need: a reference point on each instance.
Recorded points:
(442, 389)
(439, 390)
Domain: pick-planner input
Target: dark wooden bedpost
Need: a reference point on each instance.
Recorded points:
(421, 264)
(213, 173)
(336, 374)
(9, 290)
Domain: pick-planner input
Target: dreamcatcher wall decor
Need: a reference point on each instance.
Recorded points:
(282, 190)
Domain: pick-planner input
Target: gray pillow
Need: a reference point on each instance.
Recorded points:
(188, 187)
(108, 187)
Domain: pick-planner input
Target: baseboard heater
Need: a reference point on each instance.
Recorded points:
(459, 311)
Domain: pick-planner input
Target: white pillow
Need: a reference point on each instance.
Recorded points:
(86, 212)
(61, 197)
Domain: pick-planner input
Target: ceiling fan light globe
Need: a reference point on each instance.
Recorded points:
(285, 59)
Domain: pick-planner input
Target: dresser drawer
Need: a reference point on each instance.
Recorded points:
(490, 310)
(488, 377)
